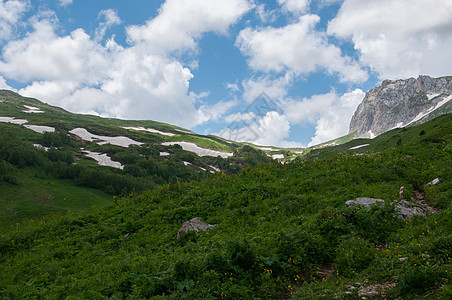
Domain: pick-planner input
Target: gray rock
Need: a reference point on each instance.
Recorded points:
(399, 103)
(364, 201)
(406, 210)
(194, 224)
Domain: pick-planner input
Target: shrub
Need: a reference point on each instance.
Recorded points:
(353, 255)
(418, 280)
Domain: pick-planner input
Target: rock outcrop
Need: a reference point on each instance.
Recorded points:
(194, 224)
(406, 210)
(399, 103)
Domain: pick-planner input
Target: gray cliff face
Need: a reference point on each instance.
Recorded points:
(399, 103)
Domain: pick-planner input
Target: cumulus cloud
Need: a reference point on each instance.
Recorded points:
(4, 85)
(140, 81)
(10, 13)
(295, 6)
(397, 39)
(297, 48)
(42, 55)
(181, 23)
(109, 18)
(271, 129)
(330, 113)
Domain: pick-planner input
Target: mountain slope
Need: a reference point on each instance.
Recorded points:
(399, 103)
(280, 231)
(41, 143)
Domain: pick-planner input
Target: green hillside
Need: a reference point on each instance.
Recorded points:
(281, 231)
(42, 172)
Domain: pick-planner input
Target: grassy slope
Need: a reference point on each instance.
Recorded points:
(276, 226)
(33, 196)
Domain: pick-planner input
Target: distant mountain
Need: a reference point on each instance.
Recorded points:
(400, 103)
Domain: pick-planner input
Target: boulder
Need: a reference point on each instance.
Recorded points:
(364, 201)
(194, 224)
(405, 209)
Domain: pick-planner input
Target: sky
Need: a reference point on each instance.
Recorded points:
(286, 73)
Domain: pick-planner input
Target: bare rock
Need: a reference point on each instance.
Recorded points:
(407, 210)
(364, 201)
(194, 224)
(399, 103)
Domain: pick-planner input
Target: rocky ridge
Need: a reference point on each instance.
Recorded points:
(399, 103)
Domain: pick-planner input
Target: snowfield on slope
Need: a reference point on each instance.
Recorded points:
(40, 128)
(103, 159)
(32, 110)
(149, 130)
(13, 120)
(121, 141)
(192, 147)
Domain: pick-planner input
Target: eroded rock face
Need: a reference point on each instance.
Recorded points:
(399, 103)
(194, 224)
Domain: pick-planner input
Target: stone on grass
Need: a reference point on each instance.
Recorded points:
(364, 201)
(194, 224)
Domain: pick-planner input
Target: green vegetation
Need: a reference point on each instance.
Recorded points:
(278, 227)
(30, 176)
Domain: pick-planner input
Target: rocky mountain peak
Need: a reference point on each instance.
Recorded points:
(402, 102)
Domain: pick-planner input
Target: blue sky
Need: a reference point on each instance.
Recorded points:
(207, 65)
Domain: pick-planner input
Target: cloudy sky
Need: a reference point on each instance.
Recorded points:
(278, 72)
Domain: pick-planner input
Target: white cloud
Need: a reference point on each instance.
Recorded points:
(398, 39)
(330, 113)
(65, 3)
(42, 55)
(295, 6)
(272, 129)
(141, 81)
(181, 23)
(4, 85)
(297, 48)
(274, 88)
(10, 14)
(109, 18)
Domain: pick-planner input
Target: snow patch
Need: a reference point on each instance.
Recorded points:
(121, 141)
(186, 163)
(359, 146)
(430, 110)
(192, 147)
(185, 131)
(40, 129)
(278, 156)
(103, 159)
(164, 154)
(431, 96)
(13, 120)
(149, 130)
(266, 149)
(41, 147)
(214, 169)
(32, 109)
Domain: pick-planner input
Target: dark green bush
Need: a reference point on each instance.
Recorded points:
(417, 280)
(354, 254)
